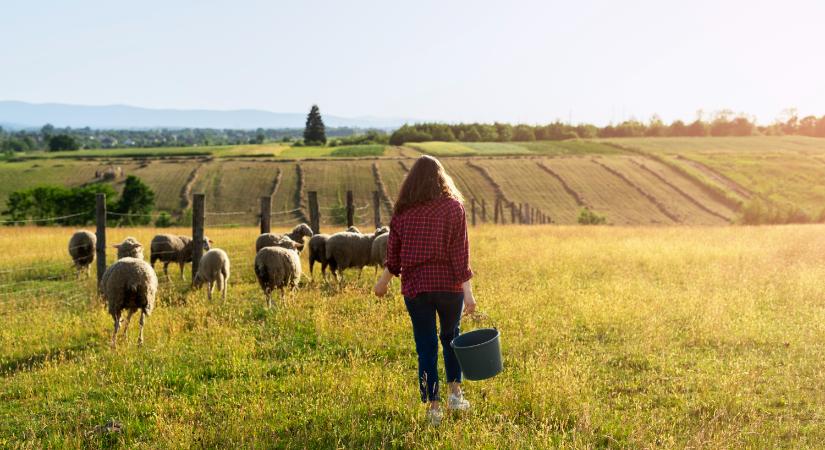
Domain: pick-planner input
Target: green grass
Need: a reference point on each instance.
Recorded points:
(358, 150)
(612, 337)
(122, 153)
(571, 147)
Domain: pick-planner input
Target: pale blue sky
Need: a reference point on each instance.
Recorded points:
(518, 61)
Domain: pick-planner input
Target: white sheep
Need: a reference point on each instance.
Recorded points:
(379, 250)
(129, 248)
(82, 250)
(129, 284)
(169, 248)
(278, 267)
(297, 235)
(347, 250)
(213, 269)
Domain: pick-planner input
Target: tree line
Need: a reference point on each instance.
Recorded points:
(50, 138)
(722, 123)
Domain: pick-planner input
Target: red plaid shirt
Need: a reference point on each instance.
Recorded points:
(428, 247)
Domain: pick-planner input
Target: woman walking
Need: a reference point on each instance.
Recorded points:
(428, 248)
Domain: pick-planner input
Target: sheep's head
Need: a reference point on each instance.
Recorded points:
(300, 232)
(353, 229)
(289, 244)
(207, 244)
(198, 281)
(130, 247)
(381, 230)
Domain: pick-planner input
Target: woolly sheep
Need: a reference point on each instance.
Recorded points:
(379, 250)
(317, 250)
(129, 248)
(277, 267)
(296, 235)
(169, 248)
(213, 269)
(129, 284)
(347, 249)
(82, 250)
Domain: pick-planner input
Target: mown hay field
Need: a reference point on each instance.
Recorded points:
(569, 147)
(612, 337)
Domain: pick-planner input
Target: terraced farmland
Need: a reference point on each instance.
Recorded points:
(630, 181)
(786, 170)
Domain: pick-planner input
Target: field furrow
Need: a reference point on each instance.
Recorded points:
(641, 190)
(333, 179)
(525, 182)
(607, 193)
(469, 181)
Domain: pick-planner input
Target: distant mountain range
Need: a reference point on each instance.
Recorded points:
(17, 115)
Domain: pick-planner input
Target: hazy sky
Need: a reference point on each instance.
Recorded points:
(518, 61)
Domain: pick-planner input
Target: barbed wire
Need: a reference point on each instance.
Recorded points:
(112, 213)
(47, 219)
(228, 213)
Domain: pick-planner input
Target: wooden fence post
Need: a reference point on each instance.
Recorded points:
(483, 211)
(198, 214)
(473, 210)
(100, 247)
(376, 206)
(266, 214)
(495, 210)
(314, 212)
(513, 212)
(350, 210)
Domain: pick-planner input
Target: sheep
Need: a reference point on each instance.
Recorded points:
(347, 249)
(317, 250)
(296, 235)
(169, 248)
(278, 267)
(129, 248)
(82, 250)
(213, 268)
(379, 250)
(129, 284)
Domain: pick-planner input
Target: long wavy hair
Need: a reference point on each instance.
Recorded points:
(426, 181)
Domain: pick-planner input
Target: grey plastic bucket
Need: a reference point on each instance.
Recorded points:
(478, 353)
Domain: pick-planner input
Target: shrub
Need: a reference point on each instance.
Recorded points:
(759, 211)
(164, 220)
(588, 217)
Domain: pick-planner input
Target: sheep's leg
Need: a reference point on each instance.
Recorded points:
(116, 318)
(142, 319)
(128, 321)
(181, 270)
(166, 270)
(268, 294)
(209, 291)
(223, 284)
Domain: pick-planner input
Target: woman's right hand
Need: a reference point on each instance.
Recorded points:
(469, 304)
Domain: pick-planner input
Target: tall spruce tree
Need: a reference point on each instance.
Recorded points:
(314, 133)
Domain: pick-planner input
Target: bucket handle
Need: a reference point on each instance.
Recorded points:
(478, 316)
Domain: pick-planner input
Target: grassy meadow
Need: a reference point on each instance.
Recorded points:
(612, 337)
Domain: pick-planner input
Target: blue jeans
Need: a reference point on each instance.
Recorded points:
(423, 309)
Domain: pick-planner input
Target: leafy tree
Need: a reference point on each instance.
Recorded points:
(314, 132)
(136, 201)
(164, 220)
(47, 131)
(62, 142)
(472, 135)
(524, 133)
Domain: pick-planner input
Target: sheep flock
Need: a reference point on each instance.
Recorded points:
(130, 284)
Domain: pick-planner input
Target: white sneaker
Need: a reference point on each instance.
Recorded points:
(435, 416)
(457, 403)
